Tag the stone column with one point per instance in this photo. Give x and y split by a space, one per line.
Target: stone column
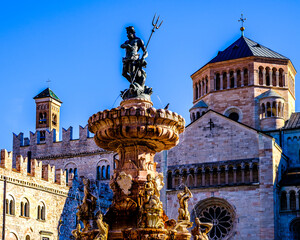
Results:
288 201
271 77
235 79
221 81
215 83
228 80
255 77
242 78
277 78
226 174
251 172
276 103
243 172
173 180
195 179
297 200
285 80
234 174
266 110
203 177
211 177
264 77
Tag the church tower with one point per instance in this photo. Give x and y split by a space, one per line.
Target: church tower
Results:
47 113
246 82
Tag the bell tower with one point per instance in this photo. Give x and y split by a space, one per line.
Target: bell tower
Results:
47 113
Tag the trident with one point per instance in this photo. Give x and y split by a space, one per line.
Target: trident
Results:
155 26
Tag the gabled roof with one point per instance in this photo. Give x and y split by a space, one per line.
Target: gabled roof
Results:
245 47
270 93
293 122
200 104
47 93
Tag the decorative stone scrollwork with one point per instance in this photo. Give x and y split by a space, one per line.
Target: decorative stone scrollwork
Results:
125 182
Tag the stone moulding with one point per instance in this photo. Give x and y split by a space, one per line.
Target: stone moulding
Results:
159 129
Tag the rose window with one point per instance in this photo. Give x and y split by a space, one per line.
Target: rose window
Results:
220 214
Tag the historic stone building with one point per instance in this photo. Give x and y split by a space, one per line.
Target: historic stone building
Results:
240 156
243 180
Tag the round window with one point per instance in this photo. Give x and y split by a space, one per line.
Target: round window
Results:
220 214
234 116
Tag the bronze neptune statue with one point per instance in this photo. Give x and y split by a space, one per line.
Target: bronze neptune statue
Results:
133 65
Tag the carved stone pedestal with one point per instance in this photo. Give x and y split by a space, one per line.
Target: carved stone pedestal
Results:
145 234
182 230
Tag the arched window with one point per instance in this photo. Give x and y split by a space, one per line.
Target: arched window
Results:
103 175
196 91
11 236
225 80
108 172
215 176
268 109
184 177
218 81
222 176
283 201
238 78
10 205
295 229
255 173
169 180
260 76
268 80
263 111
41 211
193 117
207 177
75 173
231 79
199 177
274 70
198 115
42 135
239 174
54 119
206 85
247 174
190 179
177 180
98 173
274 114
246 77
280 77
24 208
27 237
230 175
292 200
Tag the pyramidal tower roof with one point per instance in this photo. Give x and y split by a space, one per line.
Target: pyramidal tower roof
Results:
245 47
47 93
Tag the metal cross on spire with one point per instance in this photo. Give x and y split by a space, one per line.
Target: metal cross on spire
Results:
48 81
242 19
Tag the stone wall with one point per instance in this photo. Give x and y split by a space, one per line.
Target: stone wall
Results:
44 186
226 142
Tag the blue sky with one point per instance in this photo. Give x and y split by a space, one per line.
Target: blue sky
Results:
76 44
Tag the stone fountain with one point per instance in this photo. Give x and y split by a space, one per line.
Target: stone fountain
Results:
136 131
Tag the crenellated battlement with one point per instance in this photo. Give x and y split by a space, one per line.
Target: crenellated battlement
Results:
48 146
38 171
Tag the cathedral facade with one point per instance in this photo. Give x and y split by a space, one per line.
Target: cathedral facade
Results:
239 156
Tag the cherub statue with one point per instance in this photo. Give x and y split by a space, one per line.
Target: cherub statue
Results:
183 210
197 231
